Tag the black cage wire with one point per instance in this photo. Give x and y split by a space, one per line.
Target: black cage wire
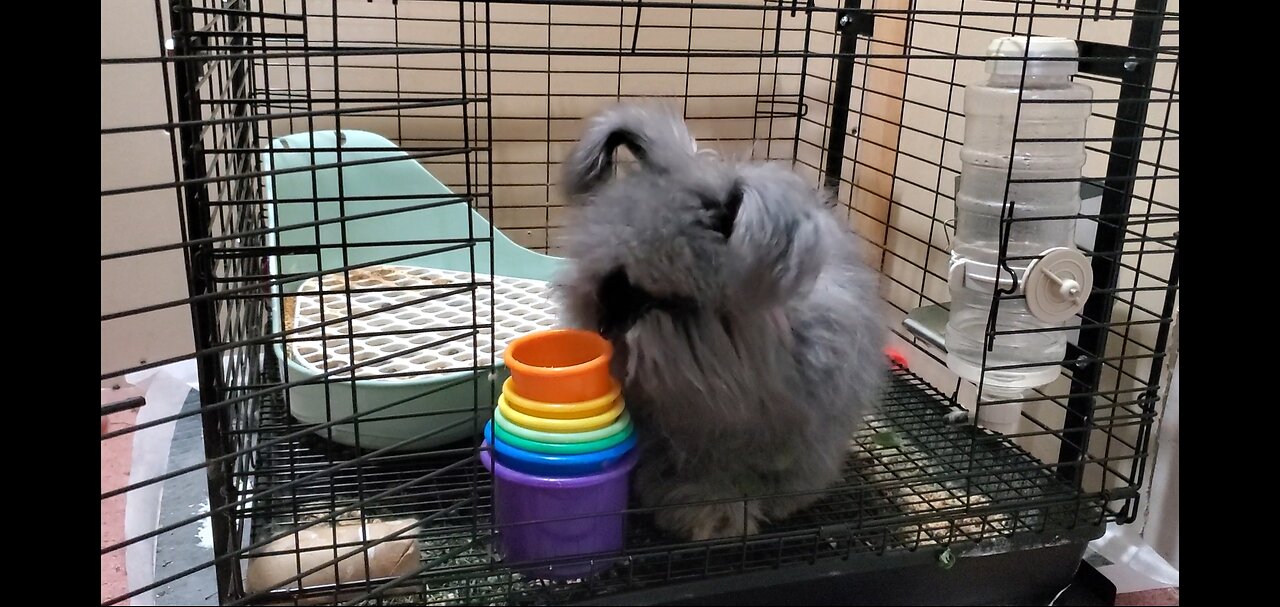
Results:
863 97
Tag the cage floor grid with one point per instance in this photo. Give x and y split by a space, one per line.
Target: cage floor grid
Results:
392 314
934 484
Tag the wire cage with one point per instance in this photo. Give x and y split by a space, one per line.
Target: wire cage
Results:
862 97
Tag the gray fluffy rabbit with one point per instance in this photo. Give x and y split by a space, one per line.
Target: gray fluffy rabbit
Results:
747 331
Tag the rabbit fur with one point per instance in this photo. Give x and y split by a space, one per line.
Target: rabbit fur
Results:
747 331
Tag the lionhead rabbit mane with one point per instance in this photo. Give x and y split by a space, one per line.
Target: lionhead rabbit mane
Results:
747 330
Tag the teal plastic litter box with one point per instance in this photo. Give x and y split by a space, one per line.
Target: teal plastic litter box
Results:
417 397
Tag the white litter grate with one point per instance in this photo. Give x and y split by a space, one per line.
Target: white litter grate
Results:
522 306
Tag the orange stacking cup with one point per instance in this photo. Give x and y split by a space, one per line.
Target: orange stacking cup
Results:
560 365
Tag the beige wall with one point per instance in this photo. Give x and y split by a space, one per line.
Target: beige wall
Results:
538 101
537 106
134 95
530 133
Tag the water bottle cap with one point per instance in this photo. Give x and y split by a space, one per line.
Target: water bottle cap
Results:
1057 56
1057 284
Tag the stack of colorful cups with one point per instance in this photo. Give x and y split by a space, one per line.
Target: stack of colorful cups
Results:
560 447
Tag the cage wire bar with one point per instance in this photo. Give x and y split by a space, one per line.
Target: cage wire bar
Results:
863 97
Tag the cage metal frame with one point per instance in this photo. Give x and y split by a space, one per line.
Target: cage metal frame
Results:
225 108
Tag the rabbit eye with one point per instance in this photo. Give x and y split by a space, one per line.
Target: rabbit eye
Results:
623 303
722 214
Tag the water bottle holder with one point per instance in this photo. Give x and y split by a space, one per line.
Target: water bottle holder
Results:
1056 285
984 278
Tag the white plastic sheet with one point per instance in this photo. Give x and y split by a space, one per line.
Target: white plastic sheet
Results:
1145 553
165 389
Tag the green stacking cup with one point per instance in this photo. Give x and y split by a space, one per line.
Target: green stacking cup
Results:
620 427
562 448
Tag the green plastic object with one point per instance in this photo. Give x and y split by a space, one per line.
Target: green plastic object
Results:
947 559
620 425
562 448
887 438
386 197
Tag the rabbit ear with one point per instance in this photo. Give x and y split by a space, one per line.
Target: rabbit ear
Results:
656 137
778 240
591 164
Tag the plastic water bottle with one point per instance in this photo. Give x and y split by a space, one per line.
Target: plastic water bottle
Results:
1041 261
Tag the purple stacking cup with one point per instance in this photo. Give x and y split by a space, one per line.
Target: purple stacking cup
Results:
589 509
